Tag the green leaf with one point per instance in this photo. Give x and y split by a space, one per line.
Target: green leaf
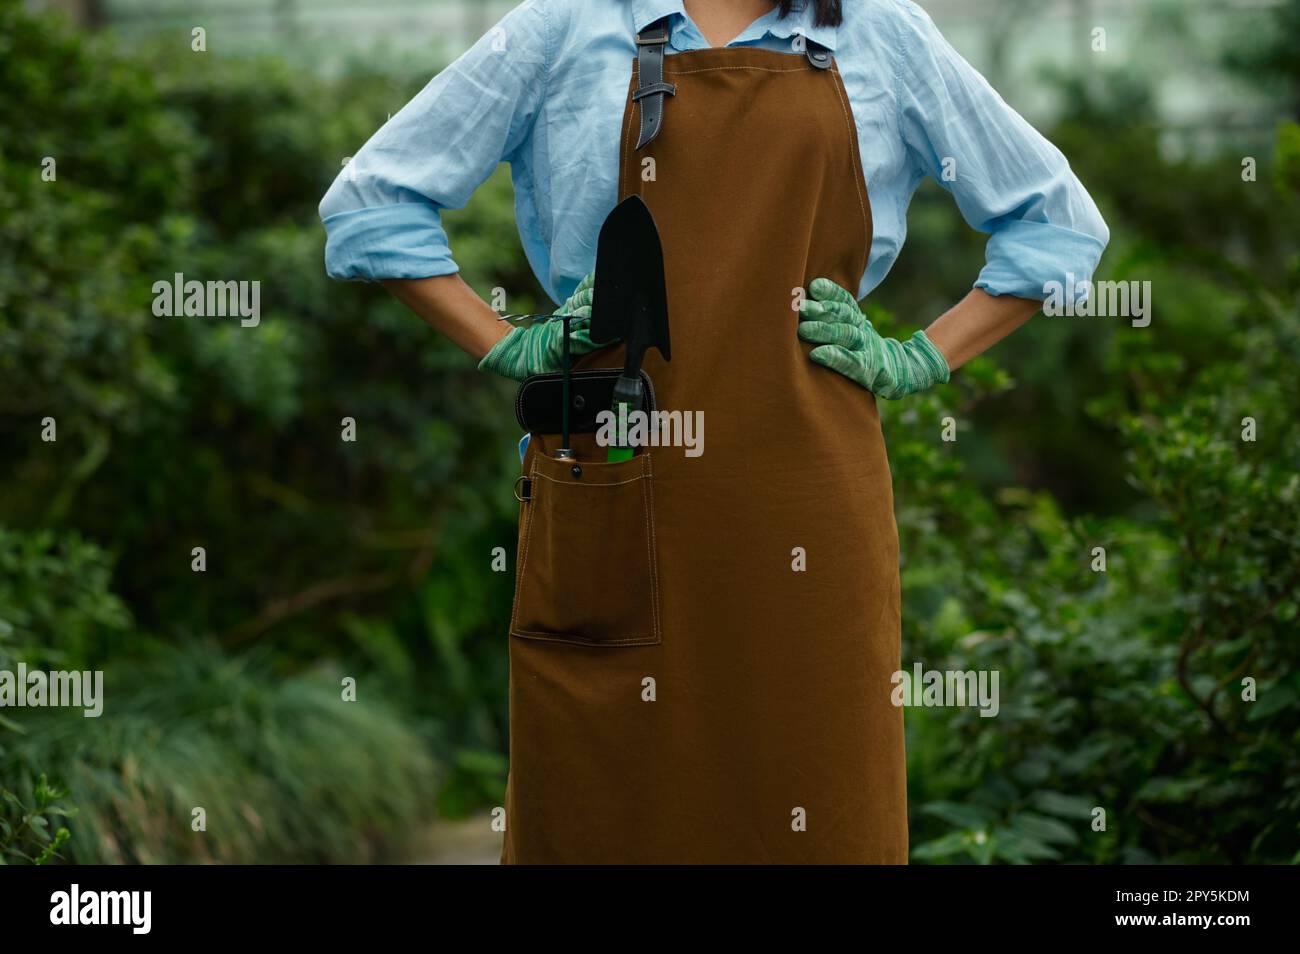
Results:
1045 829
1165 789
957 815
1065 806
945 847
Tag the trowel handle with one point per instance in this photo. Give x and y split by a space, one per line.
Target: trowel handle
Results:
564 393
629 396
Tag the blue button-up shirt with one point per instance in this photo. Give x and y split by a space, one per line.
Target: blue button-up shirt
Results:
545 90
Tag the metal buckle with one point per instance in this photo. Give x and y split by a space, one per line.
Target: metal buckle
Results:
662 38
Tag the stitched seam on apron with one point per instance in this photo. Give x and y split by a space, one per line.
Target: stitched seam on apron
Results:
592 483
523 557
651 544
625 184
655 628
761 69
584 641
858 174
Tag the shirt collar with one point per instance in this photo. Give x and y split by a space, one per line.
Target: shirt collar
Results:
800 20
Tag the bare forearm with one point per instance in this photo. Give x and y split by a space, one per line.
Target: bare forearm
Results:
977 323
450 306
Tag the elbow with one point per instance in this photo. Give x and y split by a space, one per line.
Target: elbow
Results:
346 236
1099 230
1082 213
339 197
389 241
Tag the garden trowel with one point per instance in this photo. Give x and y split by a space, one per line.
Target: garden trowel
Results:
631 303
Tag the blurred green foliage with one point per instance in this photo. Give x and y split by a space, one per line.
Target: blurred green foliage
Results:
181 433
1121 690
25 828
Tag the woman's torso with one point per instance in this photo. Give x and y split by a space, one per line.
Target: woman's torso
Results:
565 172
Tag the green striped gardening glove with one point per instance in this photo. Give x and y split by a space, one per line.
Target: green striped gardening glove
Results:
538 347
847 343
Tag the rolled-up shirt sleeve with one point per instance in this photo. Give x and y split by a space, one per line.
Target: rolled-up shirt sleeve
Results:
382 215
1007 179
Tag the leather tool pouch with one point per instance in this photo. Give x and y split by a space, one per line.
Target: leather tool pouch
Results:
537 405
586 573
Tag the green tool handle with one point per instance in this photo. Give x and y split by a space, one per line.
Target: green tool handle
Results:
564 392
629 396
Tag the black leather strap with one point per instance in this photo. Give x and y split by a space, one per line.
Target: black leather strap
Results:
818 55
650 86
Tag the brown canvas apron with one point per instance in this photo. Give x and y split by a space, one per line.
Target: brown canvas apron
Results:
701 647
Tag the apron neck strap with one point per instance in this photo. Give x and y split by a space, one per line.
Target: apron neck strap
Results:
650 86
818 55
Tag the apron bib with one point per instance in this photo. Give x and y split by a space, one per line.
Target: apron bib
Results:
701 648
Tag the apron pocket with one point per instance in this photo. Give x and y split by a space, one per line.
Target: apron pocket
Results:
587 569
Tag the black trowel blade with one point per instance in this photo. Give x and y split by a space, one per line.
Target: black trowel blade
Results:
631 300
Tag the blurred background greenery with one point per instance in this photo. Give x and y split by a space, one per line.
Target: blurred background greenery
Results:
371 559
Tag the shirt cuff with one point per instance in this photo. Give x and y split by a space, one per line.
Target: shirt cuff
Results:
1023 258
403 240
